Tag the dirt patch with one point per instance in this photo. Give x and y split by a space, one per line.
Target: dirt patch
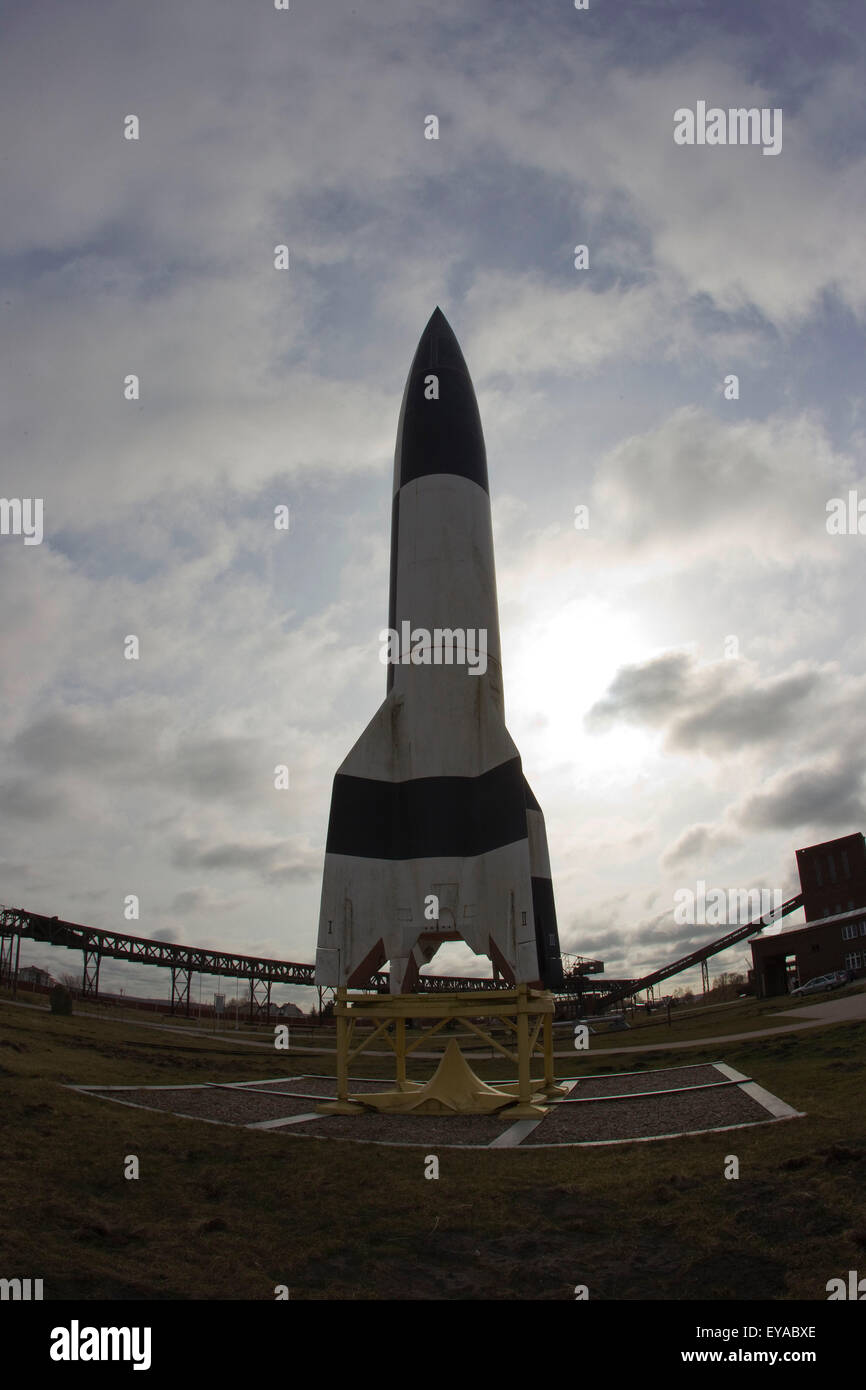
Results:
737 1274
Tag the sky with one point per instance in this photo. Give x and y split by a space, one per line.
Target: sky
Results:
684 676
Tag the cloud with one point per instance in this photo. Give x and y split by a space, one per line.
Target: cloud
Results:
274 861
745 485
697 842
133 747
643 694
707 516
717 708
817 795
25 799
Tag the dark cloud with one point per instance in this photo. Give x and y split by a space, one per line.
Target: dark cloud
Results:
188 900
133 746
75 742
593 943
758 715
820 796
273 860
644 693
25 799
699 841
714 708
230 768
194 855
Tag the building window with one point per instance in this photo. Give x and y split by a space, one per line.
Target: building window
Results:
819 877
846 867
863 927
852 961
831 865
849 932
816 946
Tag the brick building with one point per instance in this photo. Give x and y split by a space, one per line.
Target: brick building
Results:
833 883
833 876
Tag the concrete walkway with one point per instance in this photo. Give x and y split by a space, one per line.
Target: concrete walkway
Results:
833 1010
851 1008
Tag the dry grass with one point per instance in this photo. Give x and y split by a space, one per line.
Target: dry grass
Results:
222 1213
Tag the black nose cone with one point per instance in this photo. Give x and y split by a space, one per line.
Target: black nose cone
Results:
440 427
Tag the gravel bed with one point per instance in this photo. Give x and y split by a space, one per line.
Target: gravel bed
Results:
208 1103
317 1086
661 1080
423 1130
646 1115
640 1116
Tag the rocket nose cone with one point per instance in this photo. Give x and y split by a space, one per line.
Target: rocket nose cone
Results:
438 345
440 428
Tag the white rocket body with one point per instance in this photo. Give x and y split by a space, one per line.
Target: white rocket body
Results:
431 803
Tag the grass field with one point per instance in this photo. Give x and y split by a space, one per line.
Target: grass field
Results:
221 1213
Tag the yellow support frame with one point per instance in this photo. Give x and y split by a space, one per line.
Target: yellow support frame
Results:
516 1009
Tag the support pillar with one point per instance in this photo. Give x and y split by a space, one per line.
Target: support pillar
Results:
524 1104
90 973
342 1105
400 1044
9 959
260 1003
180 978
548 1052
342 1048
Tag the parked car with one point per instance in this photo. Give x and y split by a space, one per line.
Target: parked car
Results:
834 980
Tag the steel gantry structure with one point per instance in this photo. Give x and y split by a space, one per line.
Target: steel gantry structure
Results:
96 944
624 988
262 973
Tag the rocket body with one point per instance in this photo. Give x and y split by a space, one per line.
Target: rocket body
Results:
434 834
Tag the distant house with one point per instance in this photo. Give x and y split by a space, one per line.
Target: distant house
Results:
289 1011
39 979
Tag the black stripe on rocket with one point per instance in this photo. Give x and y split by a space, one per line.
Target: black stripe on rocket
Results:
543 906
428 817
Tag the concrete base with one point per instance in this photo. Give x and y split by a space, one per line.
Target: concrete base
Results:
526 1112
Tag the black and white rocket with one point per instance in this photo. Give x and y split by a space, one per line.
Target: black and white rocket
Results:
434 834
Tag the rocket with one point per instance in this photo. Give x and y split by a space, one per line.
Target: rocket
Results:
434 834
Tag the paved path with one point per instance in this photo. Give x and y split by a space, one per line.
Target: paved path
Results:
852 1007
813 1016
834 1010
